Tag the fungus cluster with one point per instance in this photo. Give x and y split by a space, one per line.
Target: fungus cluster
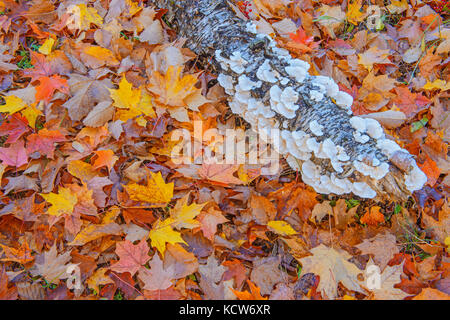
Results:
313 152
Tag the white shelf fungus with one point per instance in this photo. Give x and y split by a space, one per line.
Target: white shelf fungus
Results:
316 128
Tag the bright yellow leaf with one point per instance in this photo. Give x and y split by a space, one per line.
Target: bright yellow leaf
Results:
31 113
81 170
62 202
437 84
184 215
47 46
172 88
125 97
157 191
354 15
13 104
281 227
82 16
163 233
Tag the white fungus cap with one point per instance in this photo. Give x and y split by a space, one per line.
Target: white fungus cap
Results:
373 172
284 102
358 123
415 179
226 81
362 138
330 86
316 128
374 128
363 190
388 147
316 95
343 99
266 73
313 145
247 84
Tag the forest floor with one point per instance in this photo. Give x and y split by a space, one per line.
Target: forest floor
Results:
93 204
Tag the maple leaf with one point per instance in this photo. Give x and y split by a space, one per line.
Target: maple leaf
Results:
158 277
210 281
266 273
51 265
374 56
221 173
48 86
163 233
12 105
182 262
96 57
184 215
431 294
409 103
15 155
431 169
95 231
5 292
300 41
172 89
354 14
83 16
44 142
125 97
86 93
98 278
105 158
21 255
388 278
5 58
281 227
331 18
332 267
383 247
254 293
156 192
132 257
62 202
209 221
15 126
437 84
373 216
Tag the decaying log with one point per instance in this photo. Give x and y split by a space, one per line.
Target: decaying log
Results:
336 152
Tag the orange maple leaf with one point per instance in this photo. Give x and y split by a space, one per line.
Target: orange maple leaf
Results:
171 89
254 294
48 86
373 216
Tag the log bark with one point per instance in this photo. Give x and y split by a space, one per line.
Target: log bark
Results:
350 158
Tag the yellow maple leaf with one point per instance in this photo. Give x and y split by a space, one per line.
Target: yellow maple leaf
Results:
98 278
281 227
47 46
397 7
171 89
31 113
138 111
157 191
437 84
81 170
125 97
13 105
62 202
184 215
83 16
101 54
163 233
354 15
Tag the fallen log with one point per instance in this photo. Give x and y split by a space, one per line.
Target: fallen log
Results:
336 152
